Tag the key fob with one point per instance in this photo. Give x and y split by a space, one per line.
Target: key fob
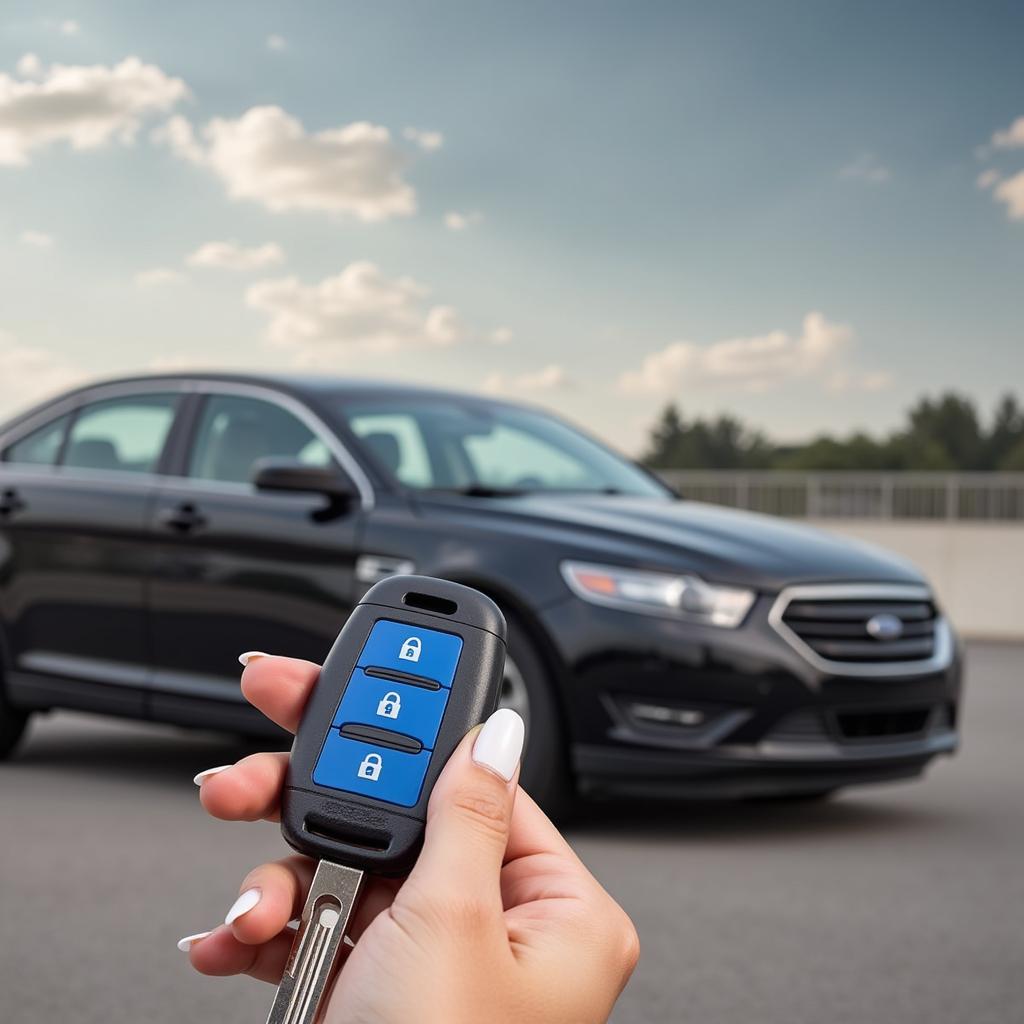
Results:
417 665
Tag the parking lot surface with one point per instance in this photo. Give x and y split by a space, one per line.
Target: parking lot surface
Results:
890 904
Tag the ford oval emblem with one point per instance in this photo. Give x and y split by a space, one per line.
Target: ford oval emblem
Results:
885 626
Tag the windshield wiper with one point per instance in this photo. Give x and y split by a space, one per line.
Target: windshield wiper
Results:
482 491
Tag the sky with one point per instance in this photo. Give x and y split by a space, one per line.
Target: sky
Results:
805 214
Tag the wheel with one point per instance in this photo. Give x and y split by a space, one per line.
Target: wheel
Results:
12 723
527 688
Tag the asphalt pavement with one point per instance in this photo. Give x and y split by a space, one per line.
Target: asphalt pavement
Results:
900 904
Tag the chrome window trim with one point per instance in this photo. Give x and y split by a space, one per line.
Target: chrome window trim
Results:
127 389
99 393
941 658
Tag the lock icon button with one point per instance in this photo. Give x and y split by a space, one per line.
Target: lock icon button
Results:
389 705
428 653
411 649
414 711
370 766
390 776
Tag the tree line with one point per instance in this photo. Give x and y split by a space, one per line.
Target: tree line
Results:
942 433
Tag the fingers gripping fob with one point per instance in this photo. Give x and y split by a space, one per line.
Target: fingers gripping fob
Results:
417 665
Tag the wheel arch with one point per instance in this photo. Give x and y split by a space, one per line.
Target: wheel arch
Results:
524 617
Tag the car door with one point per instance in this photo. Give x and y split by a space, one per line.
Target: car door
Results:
74 507
241 569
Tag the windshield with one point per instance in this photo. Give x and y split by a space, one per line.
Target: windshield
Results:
483 449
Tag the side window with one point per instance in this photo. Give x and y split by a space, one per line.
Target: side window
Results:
235 433
126 435
397 442
41 447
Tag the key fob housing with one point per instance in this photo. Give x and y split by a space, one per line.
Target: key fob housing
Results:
417 665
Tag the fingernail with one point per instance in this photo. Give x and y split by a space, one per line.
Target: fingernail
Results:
189 941
247 656
198 779
243 905
499 744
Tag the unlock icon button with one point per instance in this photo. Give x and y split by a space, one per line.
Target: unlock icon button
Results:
389 705
403 708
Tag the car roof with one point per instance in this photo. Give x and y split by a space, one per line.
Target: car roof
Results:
297 383
309 386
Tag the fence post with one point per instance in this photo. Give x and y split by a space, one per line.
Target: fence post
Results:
887 503
813 496
743 492
952 496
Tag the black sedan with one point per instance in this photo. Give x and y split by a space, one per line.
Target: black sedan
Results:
153 528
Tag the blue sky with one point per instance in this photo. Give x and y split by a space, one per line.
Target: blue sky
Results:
772 209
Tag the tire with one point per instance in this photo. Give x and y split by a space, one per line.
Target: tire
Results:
529 689
12 723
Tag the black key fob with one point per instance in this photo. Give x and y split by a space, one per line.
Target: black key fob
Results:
417 665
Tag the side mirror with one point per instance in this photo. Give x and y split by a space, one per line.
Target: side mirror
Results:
290 475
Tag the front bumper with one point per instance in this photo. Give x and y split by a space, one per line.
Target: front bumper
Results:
660 708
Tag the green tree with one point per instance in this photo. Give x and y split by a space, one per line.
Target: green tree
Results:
722 443
949 423
1006 438
942 433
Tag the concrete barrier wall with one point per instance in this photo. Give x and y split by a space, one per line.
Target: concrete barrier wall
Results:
977 569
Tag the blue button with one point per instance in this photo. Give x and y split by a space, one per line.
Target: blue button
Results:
421 652
379 772
412 710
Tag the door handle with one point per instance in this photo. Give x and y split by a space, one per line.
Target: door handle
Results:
10 503
183 518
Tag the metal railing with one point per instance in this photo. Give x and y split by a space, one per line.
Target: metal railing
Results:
844 495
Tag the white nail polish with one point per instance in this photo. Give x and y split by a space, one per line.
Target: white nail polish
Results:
198 779
243 905
189 941
499 744
247 656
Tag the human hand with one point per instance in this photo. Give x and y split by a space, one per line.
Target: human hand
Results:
498 922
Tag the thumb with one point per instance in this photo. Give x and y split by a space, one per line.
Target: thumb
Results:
470 814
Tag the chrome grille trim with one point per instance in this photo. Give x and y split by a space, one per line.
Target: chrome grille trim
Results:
939 660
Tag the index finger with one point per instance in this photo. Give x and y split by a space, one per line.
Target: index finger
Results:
279 687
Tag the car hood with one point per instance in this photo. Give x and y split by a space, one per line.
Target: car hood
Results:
721 543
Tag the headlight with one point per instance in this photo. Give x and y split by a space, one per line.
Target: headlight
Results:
659 593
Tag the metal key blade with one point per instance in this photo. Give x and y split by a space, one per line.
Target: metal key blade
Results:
329 905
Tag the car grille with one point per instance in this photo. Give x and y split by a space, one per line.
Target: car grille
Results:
838 630
857 628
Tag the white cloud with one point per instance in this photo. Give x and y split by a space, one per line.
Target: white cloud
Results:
37 239
267 156
549 378
233 256
277 43
755 363
456 221
1010 138
866 168
29 66
177 134
1011 192
501 336
84 106
28 373
158 277
987 178
69 27
425 139
359 309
